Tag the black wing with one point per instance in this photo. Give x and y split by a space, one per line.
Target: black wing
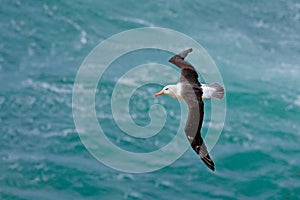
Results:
193 129
192 94
188 72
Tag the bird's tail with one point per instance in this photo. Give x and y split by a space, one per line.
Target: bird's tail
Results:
218 91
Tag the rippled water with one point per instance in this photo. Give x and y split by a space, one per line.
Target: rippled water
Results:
255 44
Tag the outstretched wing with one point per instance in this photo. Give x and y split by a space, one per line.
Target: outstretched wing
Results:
192 94
188 72
193 130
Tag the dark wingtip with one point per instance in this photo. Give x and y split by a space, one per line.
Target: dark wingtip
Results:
210 166
184 53
208 162
181 55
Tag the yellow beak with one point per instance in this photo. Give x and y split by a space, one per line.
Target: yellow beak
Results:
159 93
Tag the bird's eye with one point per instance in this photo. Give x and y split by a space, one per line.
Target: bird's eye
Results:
166 88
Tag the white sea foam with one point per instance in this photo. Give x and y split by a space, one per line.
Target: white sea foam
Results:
63 133
125 177
297 101
83 33
128 81
47 86
133 195
261 24
137 21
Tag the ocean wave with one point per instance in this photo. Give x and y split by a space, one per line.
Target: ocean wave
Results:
48 86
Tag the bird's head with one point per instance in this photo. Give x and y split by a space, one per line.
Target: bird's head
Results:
168 90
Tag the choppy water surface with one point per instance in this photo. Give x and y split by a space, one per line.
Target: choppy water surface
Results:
256 46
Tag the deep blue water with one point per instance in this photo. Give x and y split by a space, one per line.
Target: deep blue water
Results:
256 46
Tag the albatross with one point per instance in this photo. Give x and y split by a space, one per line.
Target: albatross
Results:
193 93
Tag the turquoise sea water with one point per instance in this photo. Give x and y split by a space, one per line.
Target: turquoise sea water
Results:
256 46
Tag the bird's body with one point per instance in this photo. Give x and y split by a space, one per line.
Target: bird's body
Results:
209 91
193 92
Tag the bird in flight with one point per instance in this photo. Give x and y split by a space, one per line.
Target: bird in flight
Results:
193 93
